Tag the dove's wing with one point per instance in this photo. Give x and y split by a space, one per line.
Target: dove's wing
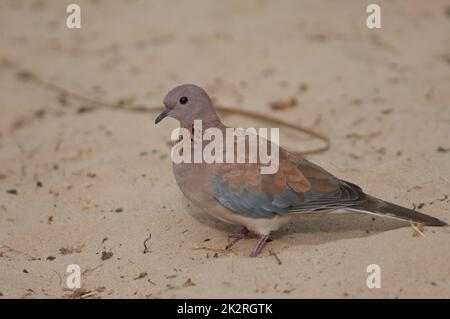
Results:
298 186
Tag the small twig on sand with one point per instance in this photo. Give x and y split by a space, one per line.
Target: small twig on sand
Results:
10 249
79 293
418 229
439 199
209 249
277 259
88 270
89 294
147 248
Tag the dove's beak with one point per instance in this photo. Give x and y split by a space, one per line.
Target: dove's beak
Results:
162 115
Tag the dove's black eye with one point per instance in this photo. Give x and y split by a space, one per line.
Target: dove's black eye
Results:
183 100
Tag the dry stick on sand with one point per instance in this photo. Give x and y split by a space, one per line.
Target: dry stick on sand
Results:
277 259
147 249
30 76
418 228
217 250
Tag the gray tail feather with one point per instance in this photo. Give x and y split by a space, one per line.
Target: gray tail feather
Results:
381 207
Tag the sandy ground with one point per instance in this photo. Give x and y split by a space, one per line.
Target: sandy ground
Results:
88 186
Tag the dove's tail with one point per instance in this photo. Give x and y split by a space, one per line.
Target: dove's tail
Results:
382 208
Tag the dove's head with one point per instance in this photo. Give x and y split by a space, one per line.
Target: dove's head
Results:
187 103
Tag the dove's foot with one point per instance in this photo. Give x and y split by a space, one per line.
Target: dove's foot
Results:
235 237
259 245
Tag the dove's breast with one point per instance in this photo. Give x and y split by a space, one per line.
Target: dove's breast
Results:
192 180
195 181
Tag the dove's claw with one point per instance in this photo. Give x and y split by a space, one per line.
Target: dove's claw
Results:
237 237
259 245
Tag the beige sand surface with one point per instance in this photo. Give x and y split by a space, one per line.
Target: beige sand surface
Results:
382 96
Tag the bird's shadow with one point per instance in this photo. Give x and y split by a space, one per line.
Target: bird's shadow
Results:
314 229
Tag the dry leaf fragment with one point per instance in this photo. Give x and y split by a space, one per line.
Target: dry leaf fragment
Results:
141 275
283 105
188 283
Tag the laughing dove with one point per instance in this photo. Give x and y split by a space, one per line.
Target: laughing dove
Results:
239 194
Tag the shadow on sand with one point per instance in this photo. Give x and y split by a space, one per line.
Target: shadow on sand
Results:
313 229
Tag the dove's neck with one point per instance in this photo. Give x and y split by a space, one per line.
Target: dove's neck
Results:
208 118
203 125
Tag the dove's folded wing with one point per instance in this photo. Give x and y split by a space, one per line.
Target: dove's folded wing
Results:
298 186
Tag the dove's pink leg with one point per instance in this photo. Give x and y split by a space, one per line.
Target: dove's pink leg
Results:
237 237
259 245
